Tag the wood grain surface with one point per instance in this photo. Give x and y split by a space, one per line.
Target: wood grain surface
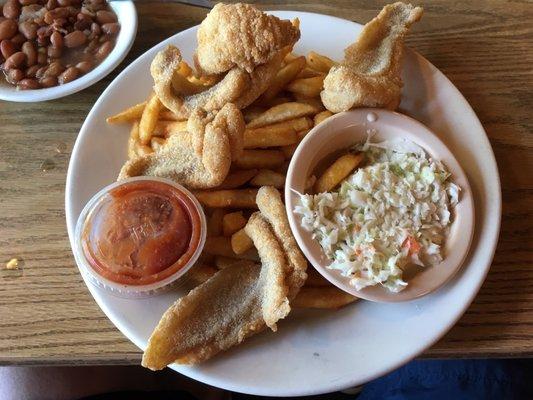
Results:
46 313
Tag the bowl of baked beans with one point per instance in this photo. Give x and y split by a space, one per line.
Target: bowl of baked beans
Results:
53 48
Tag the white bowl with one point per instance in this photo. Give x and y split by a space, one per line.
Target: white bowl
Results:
343 131
127 17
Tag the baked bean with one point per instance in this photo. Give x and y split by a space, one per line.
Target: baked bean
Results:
14 75
16 60
28 29
11 9
54 52
57 40
104 50
7 48
48 81
41 72
83 22
63 3
92 46
18 39
31 54
51 4
54 69
28 84
68 75
95 31
111 28
60 12
74 39
41 57
104 17
32 71
28 2
8 29
84 66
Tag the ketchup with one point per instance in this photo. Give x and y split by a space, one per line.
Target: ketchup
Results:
141 232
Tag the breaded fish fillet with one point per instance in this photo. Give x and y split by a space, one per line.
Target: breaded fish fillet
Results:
163 69
273 210
200 159
369 75
240 35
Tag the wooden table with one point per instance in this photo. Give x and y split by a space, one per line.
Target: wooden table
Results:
46 313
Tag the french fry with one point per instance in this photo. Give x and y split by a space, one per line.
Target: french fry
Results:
283 77
310 182
128 115
241 242
185 69
251 159
167 115
321 116
149 119
156 143
222 262
322 297
221 246
310 87
181 84
320 63
252 112
142 149
169 128
280 134
133 140
282 112
232 222
314 279
283 167
214 222
277 100
337 171
236 198
290 58
237 178
199 273
313 101
266 177
308 73
289 150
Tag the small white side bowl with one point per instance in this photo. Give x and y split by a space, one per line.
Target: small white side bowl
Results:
127 17
343 131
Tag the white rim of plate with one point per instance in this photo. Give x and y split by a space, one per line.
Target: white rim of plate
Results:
127 16
346 382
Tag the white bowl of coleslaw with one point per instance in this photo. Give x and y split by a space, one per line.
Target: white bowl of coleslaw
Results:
395 228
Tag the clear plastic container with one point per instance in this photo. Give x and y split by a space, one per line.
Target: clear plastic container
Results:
131 237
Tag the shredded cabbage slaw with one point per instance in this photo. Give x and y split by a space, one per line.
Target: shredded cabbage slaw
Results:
395 210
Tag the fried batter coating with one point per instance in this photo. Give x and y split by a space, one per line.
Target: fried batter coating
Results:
240 35
235 303
163 69
369 75
200 159
273 210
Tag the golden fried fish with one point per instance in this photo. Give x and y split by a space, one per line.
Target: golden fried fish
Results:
198 159
240 35
369 75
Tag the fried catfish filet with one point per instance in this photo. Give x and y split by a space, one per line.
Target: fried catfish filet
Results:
238 301
369 75
199 158
240 35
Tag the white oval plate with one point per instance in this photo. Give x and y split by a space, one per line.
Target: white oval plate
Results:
127 16
313 351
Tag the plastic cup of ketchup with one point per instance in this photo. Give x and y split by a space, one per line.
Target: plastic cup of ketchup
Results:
138 236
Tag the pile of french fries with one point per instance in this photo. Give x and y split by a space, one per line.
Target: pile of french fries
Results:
276 123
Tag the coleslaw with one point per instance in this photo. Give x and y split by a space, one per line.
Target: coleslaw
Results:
395 210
